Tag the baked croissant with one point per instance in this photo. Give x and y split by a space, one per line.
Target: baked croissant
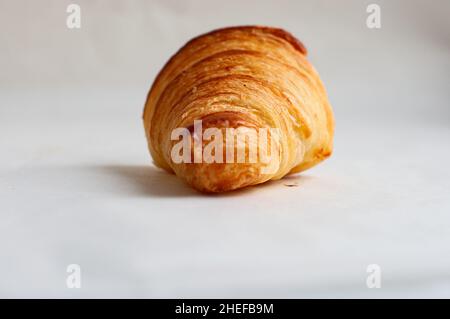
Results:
239 79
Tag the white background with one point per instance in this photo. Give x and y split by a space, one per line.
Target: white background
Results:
77 185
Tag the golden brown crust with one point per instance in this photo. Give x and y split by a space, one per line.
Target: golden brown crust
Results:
275 31
252 77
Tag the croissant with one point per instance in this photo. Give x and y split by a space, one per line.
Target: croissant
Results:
244 80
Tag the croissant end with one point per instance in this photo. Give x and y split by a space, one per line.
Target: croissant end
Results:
238 107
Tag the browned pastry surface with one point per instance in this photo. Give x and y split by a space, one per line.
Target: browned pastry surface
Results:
241 77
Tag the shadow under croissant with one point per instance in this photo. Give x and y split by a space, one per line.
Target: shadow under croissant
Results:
148 180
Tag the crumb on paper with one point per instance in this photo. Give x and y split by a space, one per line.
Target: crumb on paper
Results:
291 185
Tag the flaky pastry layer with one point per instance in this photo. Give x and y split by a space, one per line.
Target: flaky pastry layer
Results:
252 77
